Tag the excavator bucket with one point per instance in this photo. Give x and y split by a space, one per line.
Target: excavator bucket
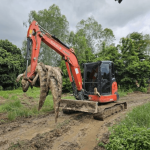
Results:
99 111
79 105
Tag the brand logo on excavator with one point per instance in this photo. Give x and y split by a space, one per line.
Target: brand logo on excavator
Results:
54 44
66 52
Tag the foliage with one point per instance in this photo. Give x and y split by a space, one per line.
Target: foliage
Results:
82 50
133 132
141 43
139 116
66 81
128 138
95 34
83 54
11 64
135 65
1 88
123 93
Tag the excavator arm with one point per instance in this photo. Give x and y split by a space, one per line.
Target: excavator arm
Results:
35 35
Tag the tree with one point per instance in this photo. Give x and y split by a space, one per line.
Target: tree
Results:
95 34
142 42
56 24
82 49
147 39
11 64
134 67
66 81
83 54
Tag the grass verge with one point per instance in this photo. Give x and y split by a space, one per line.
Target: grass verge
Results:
133 132
123 93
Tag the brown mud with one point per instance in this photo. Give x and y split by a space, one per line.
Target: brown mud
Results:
77 131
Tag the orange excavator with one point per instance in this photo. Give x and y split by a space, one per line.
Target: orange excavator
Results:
96 93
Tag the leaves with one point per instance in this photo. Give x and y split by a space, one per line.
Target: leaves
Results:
11 64
94 34
136 64
124 138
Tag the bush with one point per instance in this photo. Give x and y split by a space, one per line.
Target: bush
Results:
11 64
142 89
133 132
123 138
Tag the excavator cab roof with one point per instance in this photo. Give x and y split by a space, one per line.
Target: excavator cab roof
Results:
98 62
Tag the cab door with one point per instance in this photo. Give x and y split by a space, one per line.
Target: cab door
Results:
105 71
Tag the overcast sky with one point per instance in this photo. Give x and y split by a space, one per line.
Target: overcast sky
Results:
127 17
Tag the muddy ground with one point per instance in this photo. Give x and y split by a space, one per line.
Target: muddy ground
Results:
78 131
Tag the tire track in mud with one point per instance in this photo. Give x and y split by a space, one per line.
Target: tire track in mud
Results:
78 131
25 129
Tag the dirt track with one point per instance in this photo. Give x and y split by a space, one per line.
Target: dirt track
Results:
77 131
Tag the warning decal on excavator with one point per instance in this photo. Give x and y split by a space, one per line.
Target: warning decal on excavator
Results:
30 32
76 70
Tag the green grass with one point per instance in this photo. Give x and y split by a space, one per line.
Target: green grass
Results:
139 116
14 105
48 104
23 112
4 94
16 109
35 92
7 94
10 106
123 93
133 132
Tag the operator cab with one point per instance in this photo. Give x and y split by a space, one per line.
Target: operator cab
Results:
98 75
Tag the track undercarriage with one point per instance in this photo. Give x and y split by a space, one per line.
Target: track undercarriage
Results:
99 111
